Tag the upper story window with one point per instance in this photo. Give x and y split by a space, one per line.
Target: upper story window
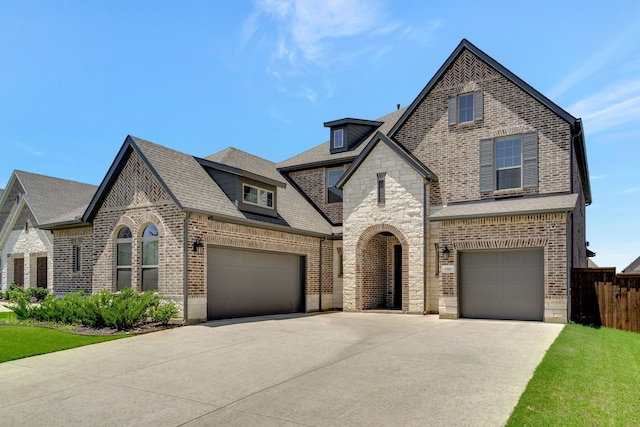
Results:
338 138
509 163
334 194
123 258
257 196
150 257
381 196
466 108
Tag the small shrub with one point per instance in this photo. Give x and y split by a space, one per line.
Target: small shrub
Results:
164 312
38 293
129 308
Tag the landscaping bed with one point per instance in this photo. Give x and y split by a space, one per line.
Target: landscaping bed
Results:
100 314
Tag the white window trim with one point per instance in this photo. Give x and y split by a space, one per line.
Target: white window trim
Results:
259 192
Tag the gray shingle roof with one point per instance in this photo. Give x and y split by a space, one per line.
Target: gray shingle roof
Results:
321 153
292 206
184 178
524 206
52 199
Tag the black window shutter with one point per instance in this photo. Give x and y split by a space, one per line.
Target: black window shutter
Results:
453 109
478 105
530 159
486 165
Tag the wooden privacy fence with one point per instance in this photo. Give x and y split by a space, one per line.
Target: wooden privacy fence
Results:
601 297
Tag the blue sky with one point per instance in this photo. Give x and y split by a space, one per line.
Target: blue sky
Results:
76 77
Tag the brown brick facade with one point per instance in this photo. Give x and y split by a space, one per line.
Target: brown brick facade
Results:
65 278
313 182
452 152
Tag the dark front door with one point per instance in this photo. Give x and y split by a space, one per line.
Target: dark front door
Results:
397 277
18 271
41 272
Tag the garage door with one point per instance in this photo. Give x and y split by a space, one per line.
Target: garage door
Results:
250 283
502 284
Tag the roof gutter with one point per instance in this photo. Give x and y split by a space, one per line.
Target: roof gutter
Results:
252 223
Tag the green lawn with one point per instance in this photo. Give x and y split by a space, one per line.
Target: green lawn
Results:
588 377
17 341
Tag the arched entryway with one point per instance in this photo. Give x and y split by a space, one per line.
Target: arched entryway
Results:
381 269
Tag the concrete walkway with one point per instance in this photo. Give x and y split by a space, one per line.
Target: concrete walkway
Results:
332 369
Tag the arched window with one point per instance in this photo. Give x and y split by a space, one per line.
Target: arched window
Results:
123 258
150 258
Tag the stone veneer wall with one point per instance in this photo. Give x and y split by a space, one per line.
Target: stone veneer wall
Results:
546 231
364 218
28 245
218 233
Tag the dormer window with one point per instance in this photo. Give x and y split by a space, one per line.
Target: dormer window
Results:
257 196
338 138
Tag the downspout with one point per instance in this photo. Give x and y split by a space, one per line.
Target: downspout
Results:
320 276
185 269
425 228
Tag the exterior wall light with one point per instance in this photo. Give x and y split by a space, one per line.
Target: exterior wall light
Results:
446 252
198 246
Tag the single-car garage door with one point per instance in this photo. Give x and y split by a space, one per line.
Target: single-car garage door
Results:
502 284
252 283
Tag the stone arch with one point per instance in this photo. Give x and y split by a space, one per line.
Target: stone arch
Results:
368 271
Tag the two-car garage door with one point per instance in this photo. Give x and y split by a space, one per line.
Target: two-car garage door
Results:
502 284
253 283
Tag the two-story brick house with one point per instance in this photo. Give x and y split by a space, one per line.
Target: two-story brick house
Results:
469 202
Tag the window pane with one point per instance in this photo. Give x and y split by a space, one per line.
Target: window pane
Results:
508 178
124 278
150 253
508 152
250 194
149 279
333 176
124 233
150 231
266 198
334 195
338 138
381 191
465 108
124 254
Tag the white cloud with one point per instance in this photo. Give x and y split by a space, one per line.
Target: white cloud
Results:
30 150
630 190
618 45
613 106
319 33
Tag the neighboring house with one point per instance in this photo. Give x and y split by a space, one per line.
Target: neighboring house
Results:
633 268
29 201
470 202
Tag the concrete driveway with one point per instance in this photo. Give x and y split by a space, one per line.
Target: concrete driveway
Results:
331 369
